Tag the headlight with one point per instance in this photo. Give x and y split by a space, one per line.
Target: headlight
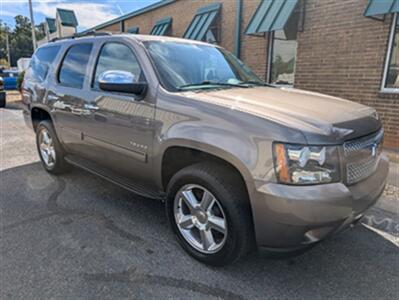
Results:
301 164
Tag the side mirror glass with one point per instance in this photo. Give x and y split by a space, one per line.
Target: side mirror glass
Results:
121 81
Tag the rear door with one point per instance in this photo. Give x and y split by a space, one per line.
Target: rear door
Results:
67 99
118 127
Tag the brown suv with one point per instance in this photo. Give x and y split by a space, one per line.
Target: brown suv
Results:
239 162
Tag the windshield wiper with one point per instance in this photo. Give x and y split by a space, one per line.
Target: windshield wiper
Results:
208 84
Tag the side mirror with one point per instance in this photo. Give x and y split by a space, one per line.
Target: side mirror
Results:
121 81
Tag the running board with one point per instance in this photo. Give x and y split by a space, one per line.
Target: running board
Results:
111 176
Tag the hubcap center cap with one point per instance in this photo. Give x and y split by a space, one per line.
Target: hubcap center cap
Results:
201 217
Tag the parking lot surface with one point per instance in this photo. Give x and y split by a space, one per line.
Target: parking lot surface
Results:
78 236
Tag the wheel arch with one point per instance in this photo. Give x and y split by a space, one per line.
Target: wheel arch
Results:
186 152
38 114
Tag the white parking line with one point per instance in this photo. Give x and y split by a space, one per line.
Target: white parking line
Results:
389 237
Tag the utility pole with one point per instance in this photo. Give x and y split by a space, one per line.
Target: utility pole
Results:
32 22
8 47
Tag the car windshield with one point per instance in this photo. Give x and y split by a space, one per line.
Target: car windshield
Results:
186 66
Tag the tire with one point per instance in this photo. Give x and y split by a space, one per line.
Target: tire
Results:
231 204
56 165
2 99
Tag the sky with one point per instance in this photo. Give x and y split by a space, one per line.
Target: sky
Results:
88 12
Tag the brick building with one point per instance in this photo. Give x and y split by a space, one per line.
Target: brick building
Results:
345 48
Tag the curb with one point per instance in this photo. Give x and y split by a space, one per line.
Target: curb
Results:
392 155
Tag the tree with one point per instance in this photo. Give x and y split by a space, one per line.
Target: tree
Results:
3 63
20 80
3 47
21 40
40 31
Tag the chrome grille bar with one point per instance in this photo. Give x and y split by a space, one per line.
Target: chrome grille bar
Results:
362 156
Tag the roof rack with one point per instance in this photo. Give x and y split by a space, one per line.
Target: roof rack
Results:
93 33
78 35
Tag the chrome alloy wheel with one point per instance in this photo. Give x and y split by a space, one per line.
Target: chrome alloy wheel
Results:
200 218
46 146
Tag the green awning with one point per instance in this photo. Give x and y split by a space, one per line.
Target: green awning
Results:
67 17
51 25
201 22
381 7
271 15
134 30
162 26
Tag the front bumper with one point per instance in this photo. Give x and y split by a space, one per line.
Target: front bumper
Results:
290 217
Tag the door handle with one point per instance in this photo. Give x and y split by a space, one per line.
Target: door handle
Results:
51 97
91 107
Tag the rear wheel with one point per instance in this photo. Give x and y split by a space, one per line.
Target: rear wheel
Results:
49 148
209 212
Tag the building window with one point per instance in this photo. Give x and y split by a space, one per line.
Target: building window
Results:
133 30
390 82
282 52
162 27
212 36
205 26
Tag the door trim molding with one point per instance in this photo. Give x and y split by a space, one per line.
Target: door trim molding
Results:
138 155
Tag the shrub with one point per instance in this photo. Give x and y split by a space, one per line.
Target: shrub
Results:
20 79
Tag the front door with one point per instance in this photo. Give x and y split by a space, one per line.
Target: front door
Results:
118 127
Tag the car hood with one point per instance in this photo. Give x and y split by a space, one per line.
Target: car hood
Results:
321 118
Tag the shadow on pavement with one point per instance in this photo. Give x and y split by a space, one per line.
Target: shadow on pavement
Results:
17 105
81 236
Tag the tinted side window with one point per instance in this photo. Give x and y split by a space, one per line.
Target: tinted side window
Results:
115 56
40 63
74 65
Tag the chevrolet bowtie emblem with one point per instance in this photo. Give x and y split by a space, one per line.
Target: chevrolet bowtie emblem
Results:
374 149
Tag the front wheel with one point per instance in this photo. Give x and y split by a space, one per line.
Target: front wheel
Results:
209 212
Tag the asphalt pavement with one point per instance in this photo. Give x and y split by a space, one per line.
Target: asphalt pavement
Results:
77 236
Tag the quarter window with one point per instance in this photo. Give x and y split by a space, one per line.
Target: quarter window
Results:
391 74
117 57
74 66
283 52
40 63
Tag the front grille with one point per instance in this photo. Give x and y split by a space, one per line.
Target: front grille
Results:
362 156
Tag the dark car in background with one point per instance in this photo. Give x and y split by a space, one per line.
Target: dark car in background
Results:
10 79
2 93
